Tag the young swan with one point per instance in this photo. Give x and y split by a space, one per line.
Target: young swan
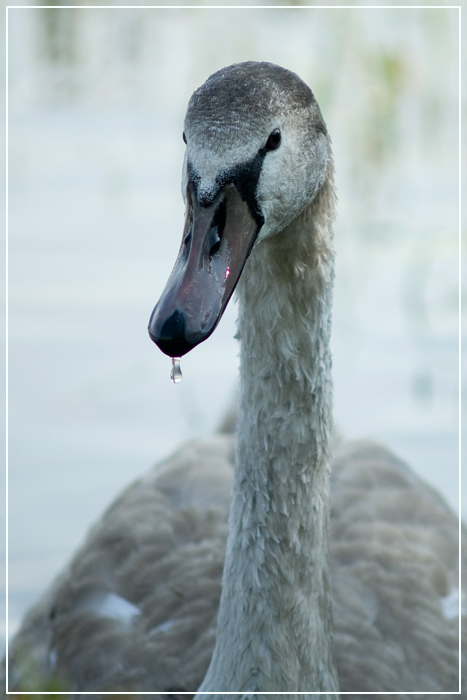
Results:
258 179
138 608
258 184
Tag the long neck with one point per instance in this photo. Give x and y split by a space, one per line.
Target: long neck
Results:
274 624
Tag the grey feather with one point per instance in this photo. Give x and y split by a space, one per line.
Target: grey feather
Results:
394 557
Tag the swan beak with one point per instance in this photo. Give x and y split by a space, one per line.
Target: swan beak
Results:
217 240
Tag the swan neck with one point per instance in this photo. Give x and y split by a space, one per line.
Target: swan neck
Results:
274 625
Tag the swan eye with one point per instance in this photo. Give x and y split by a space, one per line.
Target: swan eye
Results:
273 141
184 137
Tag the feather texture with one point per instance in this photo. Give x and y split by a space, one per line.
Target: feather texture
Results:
161 547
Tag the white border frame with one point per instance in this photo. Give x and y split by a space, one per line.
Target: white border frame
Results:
231 7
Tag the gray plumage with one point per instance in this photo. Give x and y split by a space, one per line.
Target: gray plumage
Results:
164 595
162 544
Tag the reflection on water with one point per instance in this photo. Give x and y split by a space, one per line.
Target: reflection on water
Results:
96 101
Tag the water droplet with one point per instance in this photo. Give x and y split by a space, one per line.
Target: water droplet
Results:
176 371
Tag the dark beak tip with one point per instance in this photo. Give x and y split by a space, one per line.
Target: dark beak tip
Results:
169 334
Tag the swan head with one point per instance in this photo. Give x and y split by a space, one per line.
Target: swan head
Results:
257 153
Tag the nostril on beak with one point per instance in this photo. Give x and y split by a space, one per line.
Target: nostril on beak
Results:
214 241
217 229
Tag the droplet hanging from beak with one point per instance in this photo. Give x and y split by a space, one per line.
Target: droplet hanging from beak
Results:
176 372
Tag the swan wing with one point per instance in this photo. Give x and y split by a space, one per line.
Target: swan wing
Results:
136 608
395 575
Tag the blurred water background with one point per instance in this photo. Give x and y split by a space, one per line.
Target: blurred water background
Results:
96 105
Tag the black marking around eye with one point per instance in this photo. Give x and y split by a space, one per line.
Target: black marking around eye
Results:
244 176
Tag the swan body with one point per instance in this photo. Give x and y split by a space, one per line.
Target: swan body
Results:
295 590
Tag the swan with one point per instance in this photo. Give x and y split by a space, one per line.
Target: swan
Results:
296 590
